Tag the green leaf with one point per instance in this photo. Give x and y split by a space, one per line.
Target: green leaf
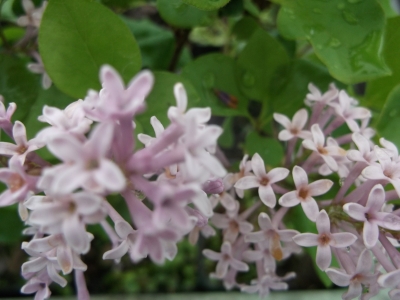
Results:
346 35
245 28
77 37
233 8
17 84
388 8
207 4
214 73
290 98
379 89
180 14
227 138
269 149
389 119
263 63
11 225
162 97
156 43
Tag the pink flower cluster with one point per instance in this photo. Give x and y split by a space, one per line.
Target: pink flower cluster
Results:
357 226
94 140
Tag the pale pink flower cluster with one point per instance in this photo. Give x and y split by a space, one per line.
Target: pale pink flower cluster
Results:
94 141
355 224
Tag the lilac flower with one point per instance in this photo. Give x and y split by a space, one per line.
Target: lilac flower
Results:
316 97
225 260
244 170
38 68
5 115
158 129
270 234
213 186
68 215
390 279
372 216
114 101
23 146
33 15
348 112
361 276
293 128
364 153
178 113
262 253
38 286
324 240
262 180
387 169
266 283
232 223
325 152
84 165
304 193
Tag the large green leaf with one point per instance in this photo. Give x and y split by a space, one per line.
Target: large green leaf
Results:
11 225
214 73
77 37
180 14
379 89
290 98
207 4
156 44
389 119
17 84
162 97
270 150
263 63
346 35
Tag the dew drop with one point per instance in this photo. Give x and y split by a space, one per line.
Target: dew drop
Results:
317 11
349 17
334 43
208 80
341 5
342 180
248 79
139 194
348 249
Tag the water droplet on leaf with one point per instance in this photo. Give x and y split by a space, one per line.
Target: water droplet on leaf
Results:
349 17
248 79
334 43
341 6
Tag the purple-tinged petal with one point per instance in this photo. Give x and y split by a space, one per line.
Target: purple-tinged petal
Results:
247 182
306 239
201 115
282 119
64 259
285 135
300 177
318 135
245 227
123 229
310 208
356 211
373 172
338 278
67 148
370 234
342 239
390 279
324 257
54 276
110 176
226 248
320 187
222 268
67 181
355 290
364 263
211 254
331 162
140 86
250 255
19 133
376 198
300 119
289 199
111 80
87 203
34 265
267 195
287 235
238 265
100 140
277 174
355 155
117 252
257 164
75 234
8 148
361 142
264 221
323 222
309 144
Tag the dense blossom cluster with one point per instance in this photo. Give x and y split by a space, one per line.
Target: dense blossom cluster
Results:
174 183
356 225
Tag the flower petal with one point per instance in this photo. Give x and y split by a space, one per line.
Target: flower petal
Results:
342 239
247 182
338 278
323 222
306 239
258 166
267 195
324 257
320 187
